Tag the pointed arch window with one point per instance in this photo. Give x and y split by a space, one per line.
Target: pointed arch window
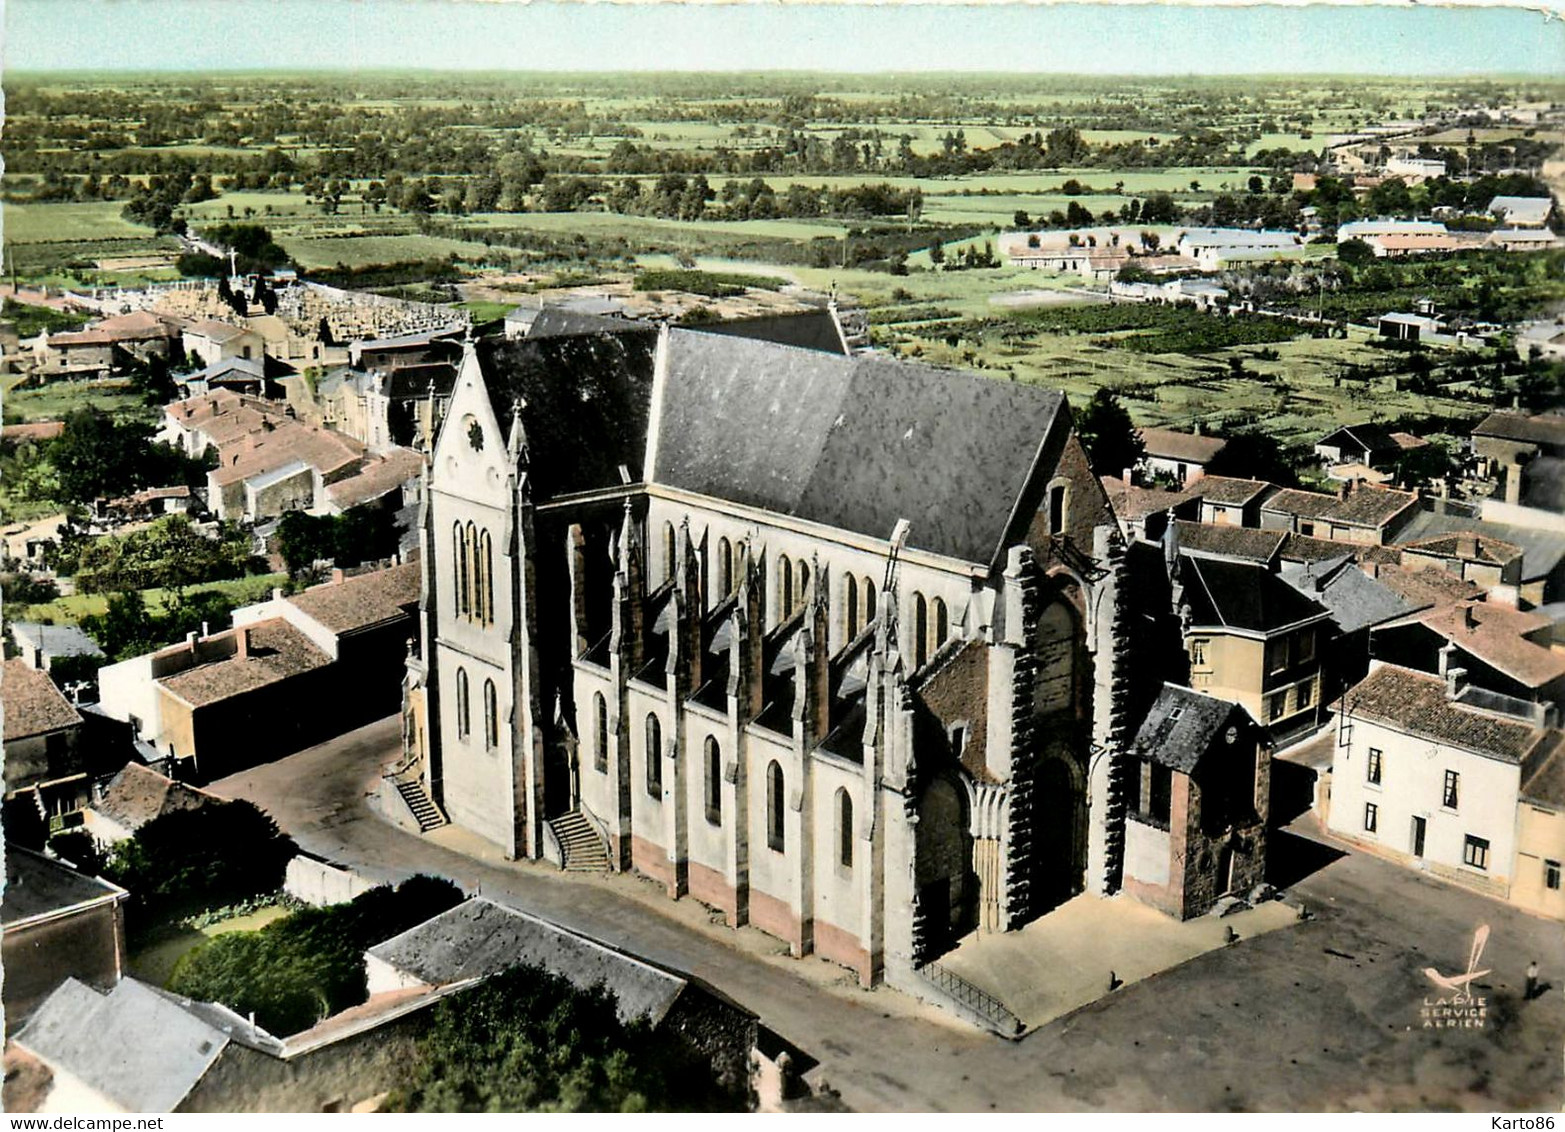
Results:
459 556
942 626
869 601
920 631
784 587
670 552
803 578
491 716
844 828
774 806
850 609
463 723
600 751
712 757
654 757
487 614
725 569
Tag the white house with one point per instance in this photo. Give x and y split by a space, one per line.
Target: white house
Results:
1427 771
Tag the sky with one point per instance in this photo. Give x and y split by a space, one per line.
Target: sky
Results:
1118 38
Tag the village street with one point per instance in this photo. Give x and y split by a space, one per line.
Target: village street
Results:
1322 1015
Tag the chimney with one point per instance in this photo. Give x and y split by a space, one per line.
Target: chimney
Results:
1344 489
337 575
242 642
1455 682
190 640
1469 617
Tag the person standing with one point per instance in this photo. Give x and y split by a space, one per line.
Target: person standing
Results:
1532 980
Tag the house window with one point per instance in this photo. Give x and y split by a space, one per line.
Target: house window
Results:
1306 694
462 724
1551 875
1198 652
654 758
774 806
1307 529
1372 772
1475 852
600 751
713 758
491 717
958 739
802 571
844 828
850 609
1371 817
1276 705
1306 646
1057 509
1276 656
1448 796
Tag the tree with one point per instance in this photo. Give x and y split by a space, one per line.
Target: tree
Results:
1021 219
95 455
1355 251
1419 467
1254 454
192 860
308 965
1112 440
526 1040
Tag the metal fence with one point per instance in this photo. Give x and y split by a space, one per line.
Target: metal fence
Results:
976 999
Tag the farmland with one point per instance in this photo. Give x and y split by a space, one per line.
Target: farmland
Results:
876 186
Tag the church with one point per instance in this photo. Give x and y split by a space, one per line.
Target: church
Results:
824 641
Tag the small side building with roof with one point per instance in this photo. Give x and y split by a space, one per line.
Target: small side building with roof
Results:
1181 456
1197 802
59 923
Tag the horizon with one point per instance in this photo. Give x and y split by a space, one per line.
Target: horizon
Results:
548 37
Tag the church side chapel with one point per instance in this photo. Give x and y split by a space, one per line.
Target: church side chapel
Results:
832 644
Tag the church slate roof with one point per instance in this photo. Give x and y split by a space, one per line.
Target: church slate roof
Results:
852 443
808 330
587 398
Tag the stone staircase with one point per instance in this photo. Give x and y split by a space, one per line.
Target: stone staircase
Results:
423 809
582 850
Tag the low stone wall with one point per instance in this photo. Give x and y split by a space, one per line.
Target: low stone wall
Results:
319 883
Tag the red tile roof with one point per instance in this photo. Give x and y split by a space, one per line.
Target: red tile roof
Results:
33 705
276 652
1416 702
362 600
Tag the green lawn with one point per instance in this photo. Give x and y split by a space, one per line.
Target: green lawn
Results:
51 402
361 251
155 963
70 610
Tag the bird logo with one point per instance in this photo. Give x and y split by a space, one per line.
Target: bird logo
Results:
1461 985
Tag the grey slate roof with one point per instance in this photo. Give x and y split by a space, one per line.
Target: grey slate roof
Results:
554 322
586 399
479 938
1182 726
1241 595
853 443
1354 599
808 330
36 885
54 640
138 1046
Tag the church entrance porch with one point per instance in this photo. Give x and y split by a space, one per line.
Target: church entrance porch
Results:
1064 960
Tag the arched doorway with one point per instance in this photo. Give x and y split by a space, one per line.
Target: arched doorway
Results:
947 887
1060 834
